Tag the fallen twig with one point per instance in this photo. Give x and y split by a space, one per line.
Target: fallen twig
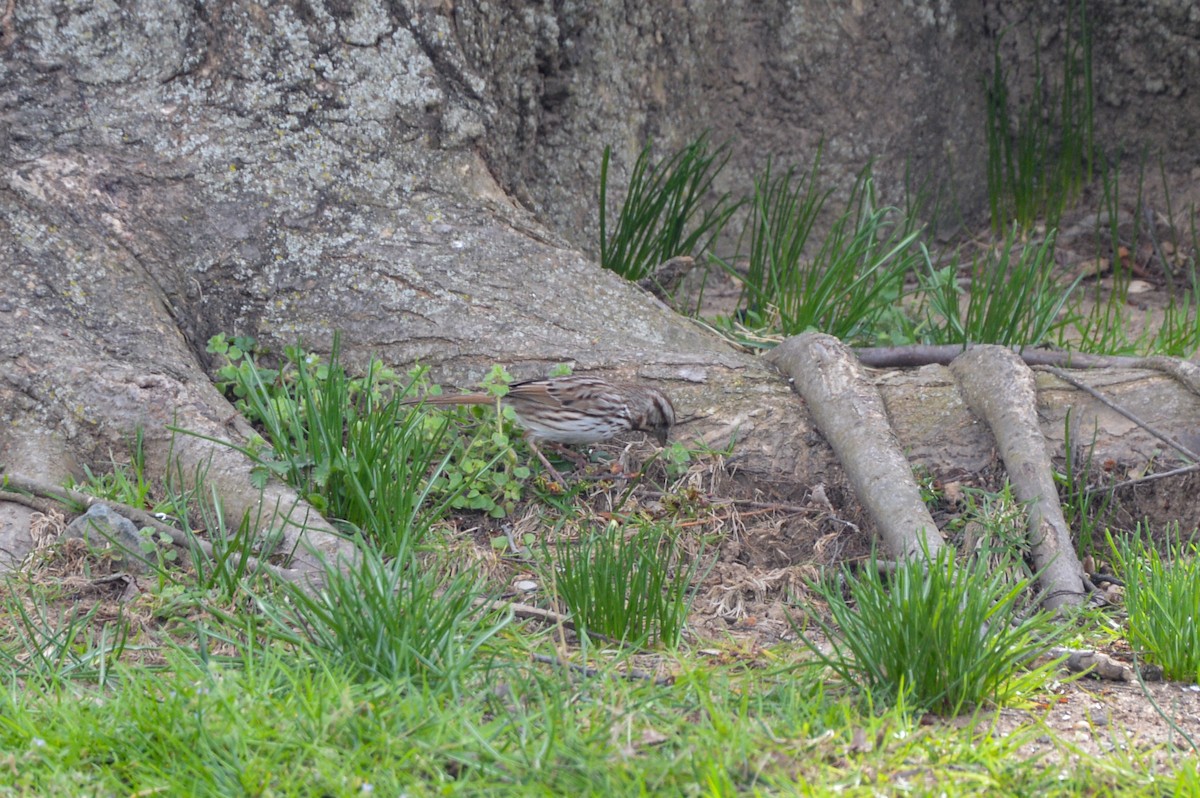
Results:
531 612
633 674
943 354
1175 472
1104 400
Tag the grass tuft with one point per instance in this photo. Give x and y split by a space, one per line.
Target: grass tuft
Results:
394 620
1013 298
664 213
845 285
628 586
1085 508
1039 165
1162 597
48 644
934 635
349 446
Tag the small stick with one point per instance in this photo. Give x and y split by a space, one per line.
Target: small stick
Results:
530 612
553 471
1167 270
633 674
1175 472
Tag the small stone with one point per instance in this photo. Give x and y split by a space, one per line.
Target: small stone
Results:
102 526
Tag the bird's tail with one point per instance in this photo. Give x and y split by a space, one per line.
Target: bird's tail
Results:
454 399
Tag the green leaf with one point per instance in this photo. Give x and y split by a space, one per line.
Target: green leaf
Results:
217 345
260 475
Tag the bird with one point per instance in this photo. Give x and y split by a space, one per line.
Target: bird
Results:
576 409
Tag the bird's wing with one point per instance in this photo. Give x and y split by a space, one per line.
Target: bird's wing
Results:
537 391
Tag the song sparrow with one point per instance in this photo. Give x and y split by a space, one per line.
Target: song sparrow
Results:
577 409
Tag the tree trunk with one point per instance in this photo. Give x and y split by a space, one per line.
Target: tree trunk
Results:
174 170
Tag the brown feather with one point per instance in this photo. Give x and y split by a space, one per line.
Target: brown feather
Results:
577 409
535 392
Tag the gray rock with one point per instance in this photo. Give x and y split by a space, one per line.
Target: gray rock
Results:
103 527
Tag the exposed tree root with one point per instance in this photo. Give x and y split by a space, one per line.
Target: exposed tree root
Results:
999 388
1185 372
850 413
42 496
943 354
91 407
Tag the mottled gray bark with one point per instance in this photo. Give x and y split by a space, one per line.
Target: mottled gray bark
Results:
897 83
173 171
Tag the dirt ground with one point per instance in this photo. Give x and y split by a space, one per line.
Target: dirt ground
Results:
746 605
765 552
